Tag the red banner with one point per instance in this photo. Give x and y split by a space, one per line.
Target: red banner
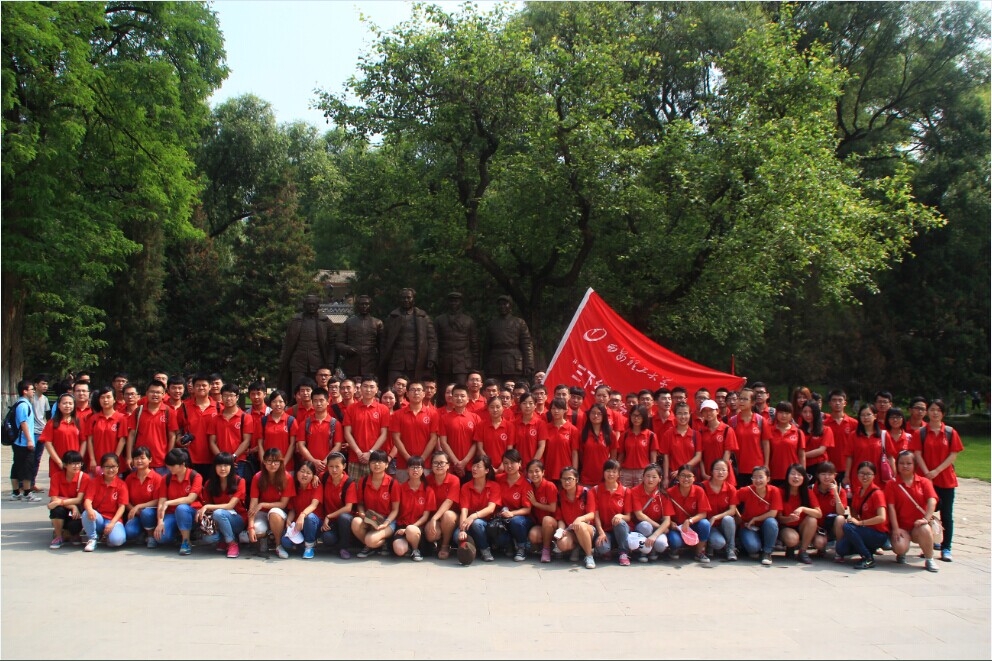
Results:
600 347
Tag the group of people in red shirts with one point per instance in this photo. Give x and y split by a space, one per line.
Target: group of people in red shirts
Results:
501 467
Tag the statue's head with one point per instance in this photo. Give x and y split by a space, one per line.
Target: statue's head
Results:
407 297
363 304
504 305
454 302
311 304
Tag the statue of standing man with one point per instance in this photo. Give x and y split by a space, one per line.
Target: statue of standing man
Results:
360 340
511 351
457 343
410 347
308 345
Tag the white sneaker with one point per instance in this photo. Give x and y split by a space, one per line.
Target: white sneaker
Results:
90 546
281 552
31 498
590 563
15 496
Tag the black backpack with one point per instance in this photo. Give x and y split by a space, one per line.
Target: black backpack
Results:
11 431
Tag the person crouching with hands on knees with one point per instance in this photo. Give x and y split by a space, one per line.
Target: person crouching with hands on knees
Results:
306 509
866 528
911 503
800 512
340 497
378 506
105 502
270 493
612 515
224 498
576 512
760 503
653 512
66 498
179 500
690 504
416 506
479 499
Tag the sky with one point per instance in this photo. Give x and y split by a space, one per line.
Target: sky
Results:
282 51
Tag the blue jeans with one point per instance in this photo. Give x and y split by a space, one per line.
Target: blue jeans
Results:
477 531
724 533
702 528
94 529
228 524
311 525
181 519
616 537
146 520
761 540
517 529
863 539
341 534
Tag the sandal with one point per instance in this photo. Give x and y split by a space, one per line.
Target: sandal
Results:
444 553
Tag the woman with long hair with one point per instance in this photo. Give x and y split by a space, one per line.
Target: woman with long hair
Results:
635 449
819 437
306 509
378 506
479 500
723 509
105 429
224 502
800 512
62 433
594 445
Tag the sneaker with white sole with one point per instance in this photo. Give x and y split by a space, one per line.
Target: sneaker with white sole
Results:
416 556
184 548
31 498
365 552
308 552
590 562
56 543
90 546
731 555
520 555
487 555
766 559
15 496
282 553
930 565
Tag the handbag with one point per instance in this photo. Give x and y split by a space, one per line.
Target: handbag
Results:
884 467
207 525
936 527
374 519
690 537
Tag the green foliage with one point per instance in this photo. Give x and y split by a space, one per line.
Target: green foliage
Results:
100 105
546 150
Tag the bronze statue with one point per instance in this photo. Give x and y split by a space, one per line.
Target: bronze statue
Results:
308 345
510 354
361 339
457 342
410 347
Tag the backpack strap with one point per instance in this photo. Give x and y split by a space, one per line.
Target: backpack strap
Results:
344 489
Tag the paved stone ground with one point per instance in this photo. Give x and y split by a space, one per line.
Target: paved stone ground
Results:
156 604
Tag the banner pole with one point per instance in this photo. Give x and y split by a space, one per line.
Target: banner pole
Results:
568 331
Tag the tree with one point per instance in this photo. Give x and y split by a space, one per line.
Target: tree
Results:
569 152
100 105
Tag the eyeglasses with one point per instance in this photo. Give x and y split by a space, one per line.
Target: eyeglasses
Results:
568 479
439 463
865 474
112 467
415 468
919 408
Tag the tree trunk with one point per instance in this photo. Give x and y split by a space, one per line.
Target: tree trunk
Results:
11 347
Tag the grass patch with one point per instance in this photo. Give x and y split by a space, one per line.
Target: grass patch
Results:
976 460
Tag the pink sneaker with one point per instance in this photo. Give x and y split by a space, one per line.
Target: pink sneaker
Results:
624 560
545 555
232 550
